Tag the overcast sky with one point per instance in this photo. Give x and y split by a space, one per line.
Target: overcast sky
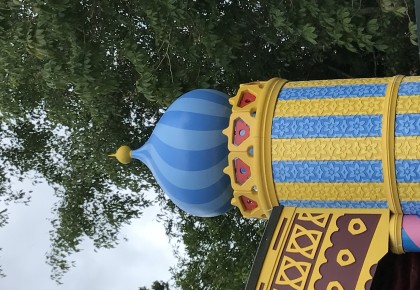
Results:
146 256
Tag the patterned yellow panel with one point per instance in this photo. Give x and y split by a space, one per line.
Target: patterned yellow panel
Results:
325 248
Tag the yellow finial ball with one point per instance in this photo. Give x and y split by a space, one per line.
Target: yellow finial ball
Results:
123 154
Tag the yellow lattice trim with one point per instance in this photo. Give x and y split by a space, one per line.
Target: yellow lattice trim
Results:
316 275
297 283
337 82
273 255
313 236
318 219
330 191
388 141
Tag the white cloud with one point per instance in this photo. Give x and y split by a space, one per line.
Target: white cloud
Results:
146 256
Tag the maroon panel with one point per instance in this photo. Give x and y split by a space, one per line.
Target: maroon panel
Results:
358 245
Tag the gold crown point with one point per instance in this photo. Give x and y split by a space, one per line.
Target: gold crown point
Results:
226 170
234 202
226 132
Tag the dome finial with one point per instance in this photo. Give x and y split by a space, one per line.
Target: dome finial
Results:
123 154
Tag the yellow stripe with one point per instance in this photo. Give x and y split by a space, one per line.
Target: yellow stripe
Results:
343 107
339 82
342 148
344 191
327 149
330 191
407 147
329 107
409 191
411 79
408 104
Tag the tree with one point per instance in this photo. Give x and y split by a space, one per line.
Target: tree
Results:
81 77
157 285
220 250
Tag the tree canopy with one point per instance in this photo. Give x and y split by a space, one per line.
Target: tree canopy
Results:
79 78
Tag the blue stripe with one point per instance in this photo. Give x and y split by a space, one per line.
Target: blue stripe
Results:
411 207
191 180
203 140
409 88
327 126
342 126
407 125
213 208
328 171
223 209
184 186
193 121
209 95
338 91
334 203
408 245
190 160
342 171
408 170
205 107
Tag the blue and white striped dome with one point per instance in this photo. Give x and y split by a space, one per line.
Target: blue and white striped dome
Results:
187 153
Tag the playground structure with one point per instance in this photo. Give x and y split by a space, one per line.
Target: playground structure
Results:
334 165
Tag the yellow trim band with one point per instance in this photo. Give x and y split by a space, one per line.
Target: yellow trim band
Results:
263 145
258 115
337 82
395 234
388 144
412 79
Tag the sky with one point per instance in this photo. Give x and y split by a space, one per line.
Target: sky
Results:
144 258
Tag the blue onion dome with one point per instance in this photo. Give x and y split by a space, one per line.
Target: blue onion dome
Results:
187 153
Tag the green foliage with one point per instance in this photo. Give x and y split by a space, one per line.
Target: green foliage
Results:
79 78
157 285
220 250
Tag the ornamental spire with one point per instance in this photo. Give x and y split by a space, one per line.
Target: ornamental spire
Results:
123 154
